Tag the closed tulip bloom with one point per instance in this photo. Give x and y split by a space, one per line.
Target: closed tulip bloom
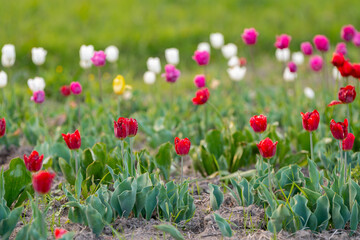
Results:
356 39
338 59
282 41
234 61
59 233
309 93
182 146
38 97
133 127
75 88
42 181
85 64
249 36
339 130
199 81
8 55
356 70
203 46
258 123
236 73
172 56
341 48
346 69
171 73
72 140
121 128
216 40
347 94
292 67
201 57
229 50
112 53
202 96
119 85
38 55
153 64
321 43
316 63
33 163
2 127
298 58
36 84
288 75
310 120
348 142
149 77
306 48
99 58
86 53
267 148
282 55
3 79
65 90
348 32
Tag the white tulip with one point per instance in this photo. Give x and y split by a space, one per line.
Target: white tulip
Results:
229 50
3 79
309 93
217 40
298 58
36 84
233 61
8 55
236 73
204 46
85 64
112 54
153 64
149 77
336 74
282 55
289 76
38 55
86 52
172 56
127 95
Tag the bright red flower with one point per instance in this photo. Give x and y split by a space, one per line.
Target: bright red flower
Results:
33 163
339 129
2 127
338 59
356 70
346 69
258 123
242 61
267 148
73 140
59 232
133 127
182 146
121 128
202 97
310 120
348 142
65 90
347 94
42 181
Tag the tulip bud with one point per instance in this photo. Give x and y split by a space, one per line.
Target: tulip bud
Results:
321 43
306 48
8 55
267 148
316 63
338 59
38 56
112 53
341 48
99 58
201 97
133 127
171 73
346 69
347 94
282 41
339 130
182 146
121 128
75 88
216 40
36 84
149 77
348 32
172 56
236 73
258 123
229 50
154 65
249 36
356 70
65 90
201 57
119 85
310 120
199 81
86 53
282 55
348 142
42 181
59 232
38 97
33 163
72 140
3 79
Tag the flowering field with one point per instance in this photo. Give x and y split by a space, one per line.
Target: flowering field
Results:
244 135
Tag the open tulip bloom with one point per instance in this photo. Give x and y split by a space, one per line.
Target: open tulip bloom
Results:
182 147
73 141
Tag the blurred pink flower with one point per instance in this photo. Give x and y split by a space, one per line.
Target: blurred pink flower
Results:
171 73
201 57
321 43
341 48
306 48
199 81
282 41
356 39
76 88
38 97
249 36
292 67
316 63
99 58
348 32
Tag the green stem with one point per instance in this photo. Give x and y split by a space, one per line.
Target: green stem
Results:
76 161
132 170
349 113
100 84
119 104
123 159
269 172
311 147
182 169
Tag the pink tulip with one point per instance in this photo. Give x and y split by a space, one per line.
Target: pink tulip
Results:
292 67
38 97
199 81
249 36
306 48
99 58
282 41
341 48
316 63
321 43
76 88
348 32
356 39
171 73
201 57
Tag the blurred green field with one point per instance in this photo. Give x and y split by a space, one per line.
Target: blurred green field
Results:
145 28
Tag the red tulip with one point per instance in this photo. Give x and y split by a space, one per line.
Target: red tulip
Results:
2 127
348 142
267 148
346 69
242 61
65 90
33 163
42 181
182 146
133 127
258 123
121 128
339 129
356 70
73 140
347 94
310 120
202 96
59 232
338 59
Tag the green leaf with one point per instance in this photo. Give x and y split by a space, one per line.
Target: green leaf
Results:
223 226
67 171
170 230
214 143
127 199
94 219
216 196
95 170
280 218
151 202
322 212
300 209
354 217
208 161
78 183
60 150
163 159
8 224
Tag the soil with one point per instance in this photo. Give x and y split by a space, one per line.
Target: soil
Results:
6 154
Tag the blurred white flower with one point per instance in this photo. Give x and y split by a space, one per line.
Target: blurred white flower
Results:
282 55
112 53
298 58
85 64
8 55
153 64
236 73
86 53
3 79
309 93
38 55
36 84
229 50
127 95
172 56
233 61
336 74
149 77
289 76
204 46
216 40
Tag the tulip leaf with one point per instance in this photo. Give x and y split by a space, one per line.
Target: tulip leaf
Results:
354 217
151 202
67 171
94 220
60 150
170 229
215 143
224 226
216 196
79 179
322 212
300 209
163 159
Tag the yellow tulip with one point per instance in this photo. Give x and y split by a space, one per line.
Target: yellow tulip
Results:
119 85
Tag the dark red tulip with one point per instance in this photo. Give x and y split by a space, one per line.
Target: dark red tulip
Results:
339 130
348 142
121 128
73 140
59 232
202 96
182 146
133 127
42 181
347 94
338 59
33 163
65 90
356 70
267 148
2 127
310 120
346 69
258 123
